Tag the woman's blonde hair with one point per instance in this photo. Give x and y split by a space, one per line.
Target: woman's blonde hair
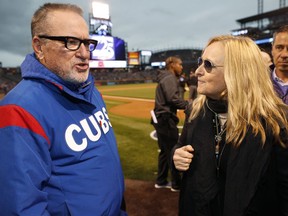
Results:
250 94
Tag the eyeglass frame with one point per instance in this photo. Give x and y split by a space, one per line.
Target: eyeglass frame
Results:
66 38
208 65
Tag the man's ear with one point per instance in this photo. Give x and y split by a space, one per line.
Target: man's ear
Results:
37 47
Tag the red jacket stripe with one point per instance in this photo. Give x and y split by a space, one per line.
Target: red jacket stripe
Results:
12 115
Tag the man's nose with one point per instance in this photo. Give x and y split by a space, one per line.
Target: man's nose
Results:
83 51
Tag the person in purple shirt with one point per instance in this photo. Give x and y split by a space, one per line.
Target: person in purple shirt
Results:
280 60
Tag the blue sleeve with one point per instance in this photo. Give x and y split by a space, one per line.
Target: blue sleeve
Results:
25 163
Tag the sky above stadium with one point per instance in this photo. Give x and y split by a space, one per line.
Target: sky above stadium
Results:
144 25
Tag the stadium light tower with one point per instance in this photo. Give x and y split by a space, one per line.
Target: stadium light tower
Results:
99 19
100 10
260 11
111 52
260 6
282 3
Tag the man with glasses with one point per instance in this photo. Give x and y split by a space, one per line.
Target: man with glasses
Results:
280 60
57 148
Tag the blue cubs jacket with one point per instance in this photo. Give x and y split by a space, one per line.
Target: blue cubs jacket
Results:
57 148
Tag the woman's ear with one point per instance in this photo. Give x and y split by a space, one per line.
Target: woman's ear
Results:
37 47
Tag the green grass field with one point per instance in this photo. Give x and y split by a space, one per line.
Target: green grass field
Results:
145 91
138 152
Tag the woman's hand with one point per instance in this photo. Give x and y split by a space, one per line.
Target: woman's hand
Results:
183 157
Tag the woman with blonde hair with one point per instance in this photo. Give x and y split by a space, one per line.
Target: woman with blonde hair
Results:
233 147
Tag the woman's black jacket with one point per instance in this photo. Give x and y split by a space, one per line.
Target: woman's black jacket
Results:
255 180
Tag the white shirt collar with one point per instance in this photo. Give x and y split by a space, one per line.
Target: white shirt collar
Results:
278 80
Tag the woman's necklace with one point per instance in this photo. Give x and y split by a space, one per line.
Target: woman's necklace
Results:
218 125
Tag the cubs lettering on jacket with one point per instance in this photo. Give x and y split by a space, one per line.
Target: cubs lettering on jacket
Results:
99 119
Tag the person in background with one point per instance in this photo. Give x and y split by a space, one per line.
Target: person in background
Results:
167 102
192 84
182 85
280 60
233 150
58 150
268 60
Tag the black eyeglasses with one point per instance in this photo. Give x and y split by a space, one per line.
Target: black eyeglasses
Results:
73 43
208 65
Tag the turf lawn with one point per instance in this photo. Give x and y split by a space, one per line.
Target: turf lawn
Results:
138 151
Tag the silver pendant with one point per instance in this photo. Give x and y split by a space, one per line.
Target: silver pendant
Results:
218 138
